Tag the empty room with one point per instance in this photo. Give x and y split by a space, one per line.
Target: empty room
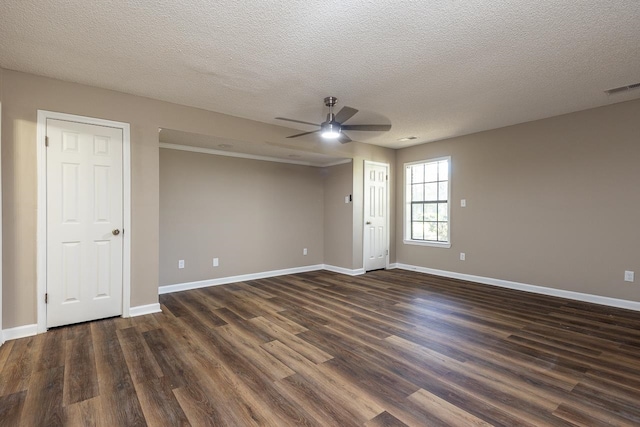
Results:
391 213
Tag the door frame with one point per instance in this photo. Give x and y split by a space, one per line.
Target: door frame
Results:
364 209
41 250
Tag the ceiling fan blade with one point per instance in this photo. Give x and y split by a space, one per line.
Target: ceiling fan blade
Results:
304 133
376 128
345 114
344 138
297 121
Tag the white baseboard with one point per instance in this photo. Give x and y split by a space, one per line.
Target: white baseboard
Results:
577 296
19 332
234 279
342 270
392 266
141 310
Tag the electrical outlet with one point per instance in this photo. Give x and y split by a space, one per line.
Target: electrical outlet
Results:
304 251
463 256
216 262
629 276
181 263
463 203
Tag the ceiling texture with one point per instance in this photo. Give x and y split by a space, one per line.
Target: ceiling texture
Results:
434 69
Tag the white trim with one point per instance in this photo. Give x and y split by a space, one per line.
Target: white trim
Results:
141 310
387 214
392 266
406 215
202 150
20 332
446 245
561 293
342 270
234 279
41 251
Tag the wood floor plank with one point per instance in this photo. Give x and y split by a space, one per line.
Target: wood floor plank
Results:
159 404
140 359
43 404
167 358
11 408
5 351
80 378
53 350
444 410
299 345
395 348
352 396
385 419
19 366
244 344
324 408
219 394
86 413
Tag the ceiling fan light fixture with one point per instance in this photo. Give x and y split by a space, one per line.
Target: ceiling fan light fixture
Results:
330 130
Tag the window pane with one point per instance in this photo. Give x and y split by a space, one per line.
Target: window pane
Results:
417 173
431 231
427 192
431 172
443 170
443 214
417 213
431 191
417 192
431 212
443 190
416 231
443 232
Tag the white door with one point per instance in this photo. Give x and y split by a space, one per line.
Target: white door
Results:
84 222
376 179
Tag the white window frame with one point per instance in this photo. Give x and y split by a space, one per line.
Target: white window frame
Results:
407 206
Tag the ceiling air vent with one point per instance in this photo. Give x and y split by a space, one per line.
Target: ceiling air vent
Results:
622 89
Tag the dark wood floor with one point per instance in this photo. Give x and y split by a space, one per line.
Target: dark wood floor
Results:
390 348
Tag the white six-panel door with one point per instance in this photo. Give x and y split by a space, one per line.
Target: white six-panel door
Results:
84 222
375 243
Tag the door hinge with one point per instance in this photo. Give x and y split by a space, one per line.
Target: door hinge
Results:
46 298
387 251
386 177
46 141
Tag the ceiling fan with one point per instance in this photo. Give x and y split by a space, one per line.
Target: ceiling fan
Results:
334 127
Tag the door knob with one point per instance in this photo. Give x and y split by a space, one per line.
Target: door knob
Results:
115 232
368 222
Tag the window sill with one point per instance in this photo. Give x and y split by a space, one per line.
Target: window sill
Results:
431 244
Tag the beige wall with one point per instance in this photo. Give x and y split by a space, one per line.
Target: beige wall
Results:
253 215
551 203
338 216
23 94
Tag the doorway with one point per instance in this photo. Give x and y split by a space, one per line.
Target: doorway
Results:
83 219
376 216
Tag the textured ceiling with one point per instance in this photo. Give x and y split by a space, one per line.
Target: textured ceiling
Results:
433 69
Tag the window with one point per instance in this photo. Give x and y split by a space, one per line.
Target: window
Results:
427 202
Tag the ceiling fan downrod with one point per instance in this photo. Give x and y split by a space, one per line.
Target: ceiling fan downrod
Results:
330 129
330 101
